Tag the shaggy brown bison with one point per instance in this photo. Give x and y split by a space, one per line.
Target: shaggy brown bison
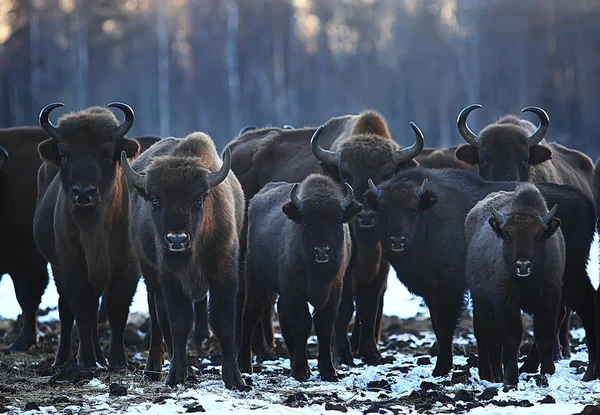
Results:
421 225
19 255
81 223
187 213
515 261
299 247
350 149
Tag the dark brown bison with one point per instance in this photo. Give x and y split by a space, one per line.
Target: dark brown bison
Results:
441 158
81 225
421 226
515 261
299 247
19 255
187 212
350 149
513 149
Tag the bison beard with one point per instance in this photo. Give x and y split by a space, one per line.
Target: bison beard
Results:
87 244
185 233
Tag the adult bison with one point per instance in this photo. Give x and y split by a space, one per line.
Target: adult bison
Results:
421 225
19 256
187 213
299 247
350 149
515 261
81 225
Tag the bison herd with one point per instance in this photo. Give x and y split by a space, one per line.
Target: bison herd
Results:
298 215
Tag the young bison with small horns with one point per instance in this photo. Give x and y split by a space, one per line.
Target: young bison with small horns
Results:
187 212
515 261
299 248
80 226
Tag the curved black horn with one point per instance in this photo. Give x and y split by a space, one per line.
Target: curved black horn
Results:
136 179
127 122
288 127
247 128
45 122
3 156
413 151
347 200
294 197
497 215
540 133
376 192
548 216
216 178
464 130
421 190
330 158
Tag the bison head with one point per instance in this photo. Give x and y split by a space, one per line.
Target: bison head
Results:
3 157
504 151
86 147
524 237
322 213
401 210
178 191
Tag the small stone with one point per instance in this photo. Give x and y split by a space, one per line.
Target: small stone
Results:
577 363
379 385
590 410
422 361
548 399
488 393
195 407
32 406
330 406
524 403
460 377
463 395
425 385
116 389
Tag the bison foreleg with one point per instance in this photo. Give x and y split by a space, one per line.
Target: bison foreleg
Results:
512 334
65 351
257 300
156 354
293 313
341 346
86 315
484 328
201 330
323 321
445 313
222 316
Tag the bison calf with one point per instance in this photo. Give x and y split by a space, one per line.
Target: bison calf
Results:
298 246
515 261
187 211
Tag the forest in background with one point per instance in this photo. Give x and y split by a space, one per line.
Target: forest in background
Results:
217 65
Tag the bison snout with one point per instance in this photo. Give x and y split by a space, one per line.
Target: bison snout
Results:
84 194
523 267
398 243
177 241
366 220
321 254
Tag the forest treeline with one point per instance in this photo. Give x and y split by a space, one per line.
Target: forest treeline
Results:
216 65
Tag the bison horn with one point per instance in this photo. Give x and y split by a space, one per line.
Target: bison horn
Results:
288 127
294 197
376 192
45 122
347 200
497 215
408 153
540 133
421 190
330 158
214 179
136 179
3 156
247 128
127 122
464 130
548 216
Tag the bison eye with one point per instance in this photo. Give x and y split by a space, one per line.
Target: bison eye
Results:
525 162
198 202
482 161
155 202
414 211
507 237
64 160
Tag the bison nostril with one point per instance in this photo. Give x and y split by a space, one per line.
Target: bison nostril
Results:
403 238
327 249
177 241
84 193
321 254
523 267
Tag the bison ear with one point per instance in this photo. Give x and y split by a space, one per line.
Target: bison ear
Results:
129 146
292 212
467 154
331 171
552 227
405 165
351 211
428 199
48 150
496 227
539 154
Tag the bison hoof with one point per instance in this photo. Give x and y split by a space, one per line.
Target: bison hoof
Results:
529 367
441 371
589 374
329 375
235 381
22 344
301 374
372 358
344 358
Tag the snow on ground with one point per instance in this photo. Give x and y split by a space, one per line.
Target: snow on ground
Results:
403 374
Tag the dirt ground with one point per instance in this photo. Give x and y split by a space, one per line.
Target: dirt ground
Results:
28 380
